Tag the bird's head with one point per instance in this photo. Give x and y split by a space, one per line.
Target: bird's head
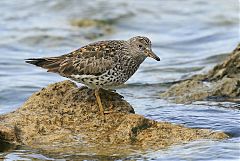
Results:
143 46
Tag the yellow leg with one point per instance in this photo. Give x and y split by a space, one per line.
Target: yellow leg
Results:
99 101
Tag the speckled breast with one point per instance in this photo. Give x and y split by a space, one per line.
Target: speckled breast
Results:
110 79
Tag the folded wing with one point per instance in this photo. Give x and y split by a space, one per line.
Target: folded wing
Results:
93 59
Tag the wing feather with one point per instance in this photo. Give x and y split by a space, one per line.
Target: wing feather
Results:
93 59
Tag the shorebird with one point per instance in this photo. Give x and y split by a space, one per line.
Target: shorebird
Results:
103 64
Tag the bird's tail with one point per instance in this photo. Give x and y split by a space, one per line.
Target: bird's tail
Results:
36 61
52 64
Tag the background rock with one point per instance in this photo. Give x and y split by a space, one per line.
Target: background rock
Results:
65 119
223 81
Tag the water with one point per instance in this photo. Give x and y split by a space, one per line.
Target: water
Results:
189 36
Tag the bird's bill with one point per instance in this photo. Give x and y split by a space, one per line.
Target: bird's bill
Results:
151 54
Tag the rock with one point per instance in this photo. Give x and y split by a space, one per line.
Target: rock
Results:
90 22
230 68
222 82
94 28
63 118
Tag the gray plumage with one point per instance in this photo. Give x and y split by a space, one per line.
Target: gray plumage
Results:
104 64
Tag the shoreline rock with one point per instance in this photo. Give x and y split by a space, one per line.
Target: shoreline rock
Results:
63 118
221 83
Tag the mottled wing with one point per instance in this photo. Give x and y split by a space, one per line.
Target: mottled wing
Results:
92 59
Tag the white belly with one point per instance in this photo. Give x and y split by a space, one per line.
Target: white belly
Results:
103 81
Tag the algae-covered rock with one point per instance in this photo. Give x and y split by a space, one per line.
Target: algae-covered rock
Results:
223 81
230 68
63 118
90 22
95 28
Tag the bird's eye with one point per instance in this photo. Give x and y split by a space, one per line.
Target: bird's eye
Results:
140 46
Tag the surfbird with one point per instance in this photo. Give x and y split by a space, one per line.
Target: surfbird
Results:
103 64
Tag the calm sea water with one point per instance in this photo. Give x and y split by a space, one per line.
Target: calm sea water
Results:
190 36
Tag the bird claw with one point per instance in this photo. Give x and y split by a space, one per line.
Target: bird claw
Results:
110 110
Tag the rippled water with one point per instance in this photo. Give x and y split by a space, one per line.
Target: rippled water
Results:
190 36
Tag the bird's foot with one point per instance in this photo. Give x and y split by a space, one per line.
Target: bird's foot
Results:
110 110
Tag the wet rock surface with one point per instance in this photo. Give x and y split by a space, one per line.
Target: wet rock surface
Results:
222 82
63 118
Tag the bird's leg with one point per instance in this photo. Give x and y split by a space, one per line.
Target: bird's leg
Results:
110 96
99 101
